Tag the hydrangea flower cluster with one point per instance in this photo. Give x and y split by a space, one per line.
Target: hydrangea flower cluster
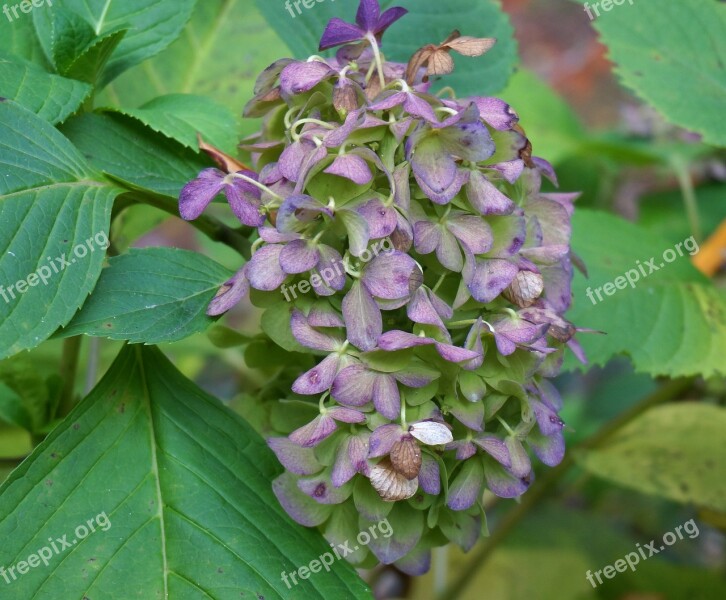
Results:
436 274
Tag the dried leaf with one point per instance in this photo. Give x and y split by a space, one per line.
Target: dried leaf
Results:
390 485
225 161
406 458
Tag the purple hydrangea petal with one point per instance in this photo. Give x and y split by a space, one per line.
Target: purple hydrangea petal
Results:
511 170
485 198
338 32
358 232
392 275
421 310
445 196
299 256
233 290
426 236
346 415
521 464
310 435
429 477
323 315
548 420
362 317
301 508
263 270
416 376
549 449
416 106
386 397
399 340
343 468
469 139
299 209
319 378
496 113
495 448
351 167
300 77
369 12
491 278
331 270
433 165
309 337
473 342
353 386
470 414
502 483
472 231
455 354
449 253
466 488
388 18
198 193
300 461
273 236
415 563
383 439
382 220
464 449
322 490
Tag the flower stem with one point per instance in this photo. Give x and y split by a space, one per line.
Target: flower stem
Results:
377 53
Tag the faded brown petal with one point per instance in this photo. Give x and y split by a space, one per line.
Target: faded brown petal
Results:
418 60
406 458
391 486
470 46
525 289
441 62
225 161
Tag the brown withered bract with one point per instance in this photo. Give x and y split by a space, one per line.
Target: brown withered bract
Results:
406 458
225 161
391 485
437 59
525 289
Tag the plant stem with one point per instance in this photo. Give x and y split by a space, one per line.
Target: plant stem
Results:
69 368
543 485
213 228
689 196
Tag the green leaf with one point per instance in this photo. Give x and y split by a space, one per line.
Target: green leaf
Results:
670 451
152 26
131 152
51 97
426 23
53 208
276 324
178 489
205 60
181 116
151 295
17 37
673 55
670 322
12 409
551 125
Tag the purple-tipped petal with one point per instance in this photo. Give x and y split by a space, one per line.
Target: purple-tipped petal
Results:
399 340
318 379
455 354
338 32
263 270
549 449
381 220
426 236
502 483
331 270
301 508
233 290
299 209
309 336
299 256
491 278
485 198
369 12
466 488
388 18
521 464
322 490
353 386
469 139
322 315
548 420
310 435
346 415
300 77
415 563
429 477
433 165
198 193
470 414
351 167
362 317
495 447
472 231
496 113
421 310
386 397
392 276
383 439
300 461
